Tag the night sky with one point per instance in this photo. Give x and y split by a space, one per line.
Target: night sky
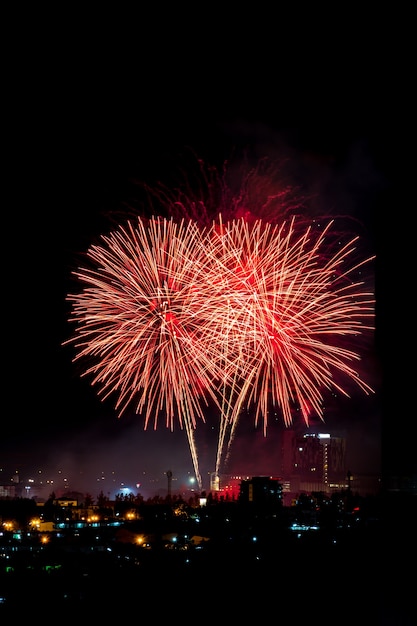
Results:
89 115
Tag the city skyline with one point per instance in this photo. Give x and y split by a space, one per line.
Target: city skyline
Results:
280 459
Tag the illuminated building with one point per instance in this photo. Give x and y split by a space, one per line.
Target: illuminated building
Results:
313 462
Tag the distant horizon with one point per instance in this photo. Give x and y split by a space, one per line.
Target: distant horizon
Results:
94 470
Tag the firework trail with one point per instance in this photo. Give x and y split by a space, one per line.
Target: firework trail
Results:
226 307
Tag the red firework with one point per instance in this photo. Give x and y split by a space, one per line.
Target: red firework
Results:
242 311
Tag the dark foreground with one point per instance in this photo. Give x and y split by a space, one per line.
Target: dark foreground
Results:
358 575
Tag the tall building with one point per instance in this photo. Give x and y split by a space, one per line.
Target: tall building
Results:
313 462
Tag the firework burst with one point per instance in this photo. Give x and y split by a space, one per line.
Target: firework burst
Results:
140 326
243 313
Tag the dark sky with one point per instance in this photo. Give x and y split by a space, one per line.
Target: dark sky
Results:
92 109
